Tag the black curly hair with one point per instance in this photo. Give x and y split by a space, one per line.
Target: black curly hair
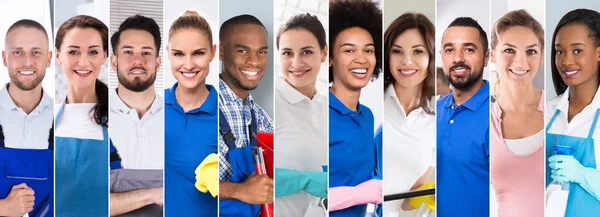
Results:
589 18
365 14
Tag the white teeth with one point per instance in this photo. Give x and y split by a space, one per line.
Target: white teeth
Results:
359 71
519 72
189 74
249 73
571 72
26 72
298 73
83 72
460 70
408 72
137 71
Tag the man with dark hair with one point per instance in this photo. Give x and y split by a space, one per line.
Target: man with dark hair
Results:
136 115
243 50
463 123
26 117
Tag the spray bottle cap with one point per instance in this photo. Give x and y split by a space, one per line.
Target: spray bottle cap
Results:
370 208
563 150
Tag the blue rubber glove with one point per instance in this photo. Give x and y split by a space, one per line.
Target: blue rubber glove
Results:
289 182
566 168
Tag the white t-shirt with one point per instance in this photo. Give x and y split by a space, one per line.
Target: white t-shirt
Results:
77 121
22 130
301 138
408 148
525 146
139 142
580 125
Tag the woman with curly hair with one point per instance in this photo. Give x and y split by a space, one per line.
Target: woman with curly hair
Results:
354 59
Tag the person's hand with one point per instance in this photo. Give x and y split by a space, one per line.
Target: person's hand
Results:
156 196
370 191
429 200
565 168
19 201
257 189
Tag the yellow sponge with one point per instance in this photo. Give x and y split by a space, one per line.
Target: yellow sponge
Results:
416 202
207 175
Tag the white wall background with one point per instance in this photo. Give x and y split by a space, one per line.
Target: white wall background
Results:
210 11
498 9
556 9
263 10
448 10
392 10
38 10
65 9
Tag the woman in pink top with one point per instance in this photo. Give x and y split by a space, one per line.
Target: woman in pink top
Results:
517 139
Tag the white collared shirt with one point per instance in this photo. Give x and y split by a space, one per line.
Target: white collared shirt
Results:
139 142
408 147
580 125
22 130
301 138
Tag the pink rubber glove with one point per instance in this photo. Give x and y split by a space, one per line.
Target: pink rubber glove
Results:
342 197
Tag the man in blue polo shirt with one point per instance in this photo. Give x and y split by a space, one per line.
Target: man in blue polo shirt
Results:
463 123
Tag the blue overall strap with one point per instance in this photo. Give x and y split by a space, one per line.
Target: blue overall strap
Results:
1 137
252 130
115 159
225 131
593 127
51 137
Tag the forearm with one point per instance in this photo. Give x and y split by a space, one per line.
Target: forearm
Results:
3 208
228 190
124 202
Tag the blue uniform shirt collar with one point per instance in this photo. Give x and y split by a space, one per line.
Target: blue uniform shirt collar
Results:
476 101
206 107
337 105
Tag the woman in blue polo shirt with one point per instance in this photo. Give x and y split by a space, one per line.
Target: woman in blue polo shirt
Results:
190 121
355 59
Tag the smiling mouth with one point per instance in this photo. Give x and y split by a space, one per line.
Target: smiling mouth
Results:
82 72
299 72
359 71
189 74
408 71
26 72
137 72
250 73
519 72
571 72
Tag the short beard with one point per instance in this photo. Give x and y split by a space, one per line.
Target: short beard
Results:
467 84
24 87
137 85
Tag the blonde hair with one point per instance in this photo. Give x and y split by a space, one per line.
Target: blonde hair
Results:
191 20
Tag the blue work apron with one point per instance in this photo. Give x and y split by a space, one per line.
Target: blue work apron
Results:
33 167
580 203
242 164
81 175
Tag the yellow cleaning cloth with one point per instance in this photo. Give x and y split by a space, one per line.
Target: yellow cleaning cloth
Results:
429 200
207 175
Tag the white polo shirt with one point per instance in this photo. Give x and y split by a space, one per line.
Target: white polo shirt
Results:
22 130
408 147
580 125
301 138
139 142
